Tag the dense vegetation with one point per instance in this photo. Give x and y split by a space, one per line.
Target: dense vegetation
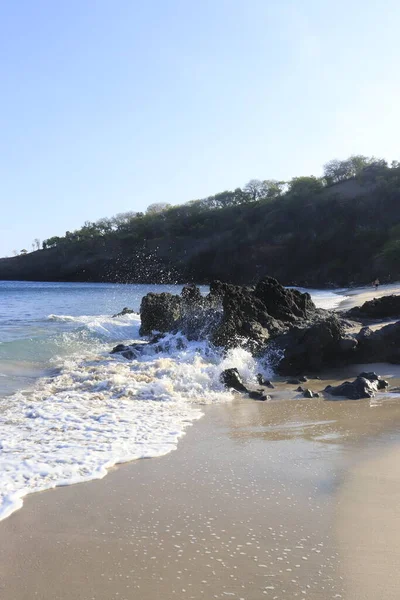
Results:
342 228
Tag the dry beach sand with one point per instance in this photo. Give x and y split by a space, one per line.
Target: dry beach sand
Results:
291 498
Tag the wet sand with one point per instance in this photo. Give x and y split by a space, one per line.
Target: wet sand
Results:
368 528
261 500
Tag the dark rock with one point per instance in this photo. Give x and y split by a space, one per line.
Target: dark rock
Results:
316 347
370 375
303 379
355 390
284 304
382 345
232 379
243 317
300 389
119 348
230 315
293 381
155 338
160 312
300 337
308 394
124 311
259 395
262 381
378 308
191 294
129 354
316 395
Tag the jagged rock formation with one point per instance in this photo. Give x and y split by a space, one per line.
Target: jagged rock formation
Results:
267 317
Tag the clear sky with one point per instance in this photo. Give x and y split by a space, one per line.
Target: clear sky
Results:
107 106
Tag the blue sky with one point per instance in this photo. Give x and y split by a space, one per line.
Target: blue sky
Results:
107 106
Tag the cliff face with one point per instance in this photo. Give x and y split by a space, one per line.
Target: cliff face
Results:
309 240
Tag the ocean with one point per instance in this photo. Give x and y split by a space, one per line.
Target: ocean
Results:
69 410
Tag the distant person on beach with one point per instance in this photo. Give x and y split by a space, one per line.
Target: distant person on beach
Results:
376 283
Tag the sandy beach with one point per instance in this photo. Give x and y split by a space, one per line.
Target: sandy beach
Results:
291 498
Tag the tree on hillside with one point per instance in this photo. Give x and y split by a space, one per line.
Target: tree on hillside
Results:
341 170
271 188
52 242
157 207
254 189
223 199
122 219
24 251
304 186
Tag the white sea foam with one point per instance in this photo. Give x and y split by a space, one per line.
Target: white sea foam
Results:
101 409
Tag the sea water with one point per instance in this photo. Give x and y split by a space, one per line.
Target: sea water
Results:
69 410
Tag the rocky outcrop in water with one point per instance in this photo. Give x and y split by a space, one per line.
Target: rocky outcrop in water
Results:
123 312
268 318
229 315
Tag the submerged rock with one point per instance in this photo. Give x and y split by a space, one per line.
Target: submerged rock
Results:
354 390
382 384
262 381
124 311
119 348
128 352
232 379
259 395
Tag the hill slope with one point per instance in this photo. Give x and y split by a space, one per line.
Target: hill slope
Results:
310 235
